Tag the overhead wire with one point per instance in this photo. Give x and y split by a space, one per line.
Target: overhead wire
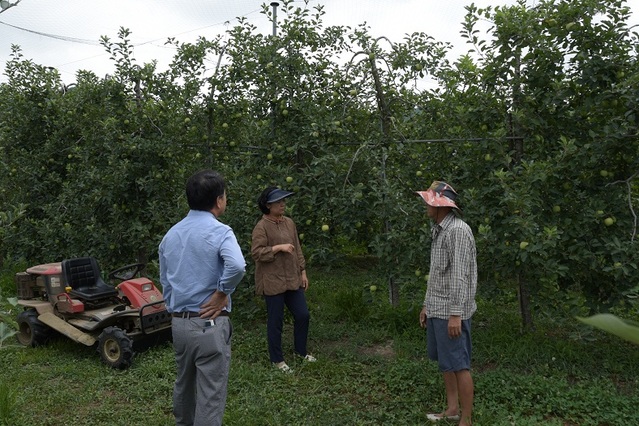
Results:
98 42
57 37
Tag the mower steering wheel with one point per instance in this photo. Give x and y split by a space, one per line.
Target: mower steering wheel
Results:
126 272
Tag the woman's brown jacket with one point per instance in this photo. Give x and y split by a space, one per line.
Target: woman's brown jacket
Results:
276 272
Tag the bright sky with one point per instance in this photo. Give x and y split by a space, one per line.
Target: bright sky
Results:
65 34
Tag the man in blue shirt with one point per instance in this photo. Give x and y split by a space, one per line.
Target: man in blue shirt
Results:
201 264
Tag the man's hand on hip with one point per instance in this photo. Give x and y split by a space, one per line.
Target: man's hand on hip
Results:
214 306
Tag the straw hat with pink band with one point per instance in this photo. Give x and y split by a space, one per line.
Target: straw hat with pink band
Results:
440 194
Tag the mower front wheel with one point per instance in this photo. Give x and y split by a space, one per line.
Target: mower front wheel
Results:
115 348
32 331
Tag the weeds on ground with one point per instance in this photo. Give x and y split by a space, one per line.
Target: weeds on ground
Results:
371 370
7 405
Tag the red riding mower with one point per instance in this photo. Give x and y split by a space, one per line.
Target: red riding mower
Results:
72 298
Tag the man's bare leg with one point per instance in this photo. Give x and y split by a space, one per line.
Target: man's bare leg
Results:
452 394
466 390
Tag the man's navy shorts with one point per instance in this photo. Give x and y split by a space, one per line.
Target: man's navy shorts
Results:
450 354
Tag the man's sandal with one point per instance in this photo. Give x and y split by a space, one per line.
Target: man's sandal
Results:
441 416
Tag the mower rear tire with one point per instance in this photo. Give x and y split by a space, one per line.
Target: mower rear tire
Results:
115 348
32 331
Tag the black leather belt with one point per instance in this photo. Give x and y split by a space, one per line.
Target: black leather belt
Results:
188 314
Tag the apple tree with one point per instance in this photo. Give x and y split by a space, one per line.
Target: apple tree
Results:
556 195
535 126
94 162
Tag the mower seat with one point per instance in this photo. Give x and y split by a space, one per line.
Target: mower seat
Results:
83 276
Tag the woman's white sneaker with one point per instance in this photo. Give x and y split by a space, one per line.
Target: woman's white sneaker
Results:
283 367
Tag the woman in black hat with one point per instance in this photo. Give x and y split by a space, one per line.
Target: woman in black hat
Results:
280 274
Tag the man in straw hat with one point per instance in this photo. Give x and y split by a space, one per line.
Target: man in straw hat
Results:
450 301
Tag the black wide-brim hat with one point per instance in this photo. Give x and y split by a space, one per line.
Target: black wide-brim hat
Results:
277 195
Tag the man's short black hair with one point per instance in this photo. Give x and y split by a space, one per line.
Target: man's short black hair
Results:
203 190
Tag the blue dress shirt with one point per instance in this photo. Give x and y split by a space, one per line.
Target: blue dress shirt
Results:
198 256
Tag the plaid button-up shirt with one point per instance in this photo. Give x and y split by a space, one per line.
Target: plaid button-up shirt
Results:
452 281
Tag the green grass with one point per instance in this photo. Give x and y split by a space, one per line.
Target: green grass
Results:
372 369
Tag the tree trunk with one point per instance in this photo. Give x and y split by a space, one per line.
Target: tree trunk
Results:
524 303
518 148
385 116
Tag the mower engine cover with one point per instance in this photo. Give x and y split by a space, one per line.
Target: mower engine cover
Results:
140 292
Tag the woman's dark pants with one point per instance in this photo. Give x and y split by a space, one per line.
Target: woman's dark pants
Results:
295 301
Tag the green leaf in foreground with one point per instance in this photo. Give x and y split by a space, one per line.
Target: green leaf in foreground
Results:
5 333
627 330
